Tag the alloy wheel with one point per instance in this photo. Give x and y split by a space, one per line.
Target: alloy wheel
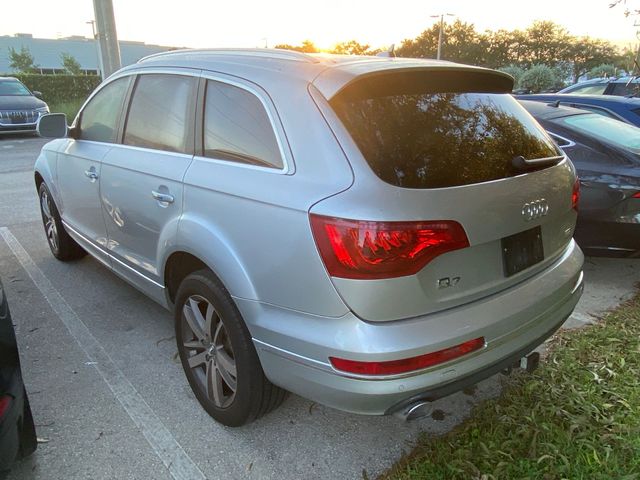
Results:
208 351
49 221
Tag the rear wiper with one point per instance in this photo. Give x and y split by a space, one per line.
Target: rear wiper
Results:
521 163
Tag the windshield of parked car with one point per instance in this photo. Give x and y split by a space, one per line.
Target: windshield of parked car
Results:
596 89
606 129
433 140
13 88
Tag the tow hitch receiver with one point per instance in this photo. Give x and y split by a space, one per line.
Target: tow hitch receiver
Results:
528 363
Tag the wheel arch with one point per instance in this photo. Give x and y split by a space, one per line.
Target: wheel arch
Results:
198 247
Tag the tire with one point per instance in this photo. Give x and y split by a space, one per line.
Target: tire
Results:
62 246
218 354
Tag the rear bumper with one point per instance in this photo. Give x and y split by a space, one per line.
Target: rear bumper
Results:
294 347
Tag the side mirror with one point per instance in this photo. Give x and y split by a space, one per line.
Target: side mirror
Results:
37 94
52 125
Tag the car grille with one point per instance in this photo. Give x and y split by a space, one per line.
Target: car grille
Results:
17 117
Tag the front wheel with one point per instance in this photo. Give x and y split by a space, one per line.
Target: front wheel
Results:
60 242
218 355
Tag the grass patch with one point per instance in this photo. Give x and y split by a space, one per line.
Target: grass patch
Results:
69 108
576 417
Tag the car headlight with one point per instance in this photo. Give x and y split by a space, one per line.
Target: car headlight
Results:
44 109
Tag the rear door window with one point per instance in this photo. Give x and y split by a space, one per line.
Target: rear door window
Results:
161 113
433 140
237 127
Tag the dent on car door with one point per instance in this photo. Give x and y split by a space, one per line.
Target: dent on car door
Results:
80 163
141 180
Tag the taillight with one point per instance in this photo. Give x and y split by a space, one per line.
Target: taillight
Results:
575 195
5 402
373 250
394 367
636 195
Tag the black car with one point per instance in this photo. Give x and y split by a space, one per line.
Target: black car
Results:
626 109
17 430
606 154
20 108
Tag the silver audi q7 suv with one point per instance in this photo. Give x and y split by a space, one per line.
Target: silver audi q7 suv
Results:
370 233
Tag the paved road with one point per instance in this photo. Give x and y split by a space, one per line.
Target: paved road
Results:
91 435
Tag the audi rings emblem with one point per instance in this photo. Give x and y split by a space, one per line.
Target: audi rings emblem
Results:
536 209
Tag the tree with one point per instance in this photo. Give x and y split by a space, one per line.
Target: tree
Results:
70 64
587 53
502 47
461 43
540 78
306 47
353 47
547 43
22 61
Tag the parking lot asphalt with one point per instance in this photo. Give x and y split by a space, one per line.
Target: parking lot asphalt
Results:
108 393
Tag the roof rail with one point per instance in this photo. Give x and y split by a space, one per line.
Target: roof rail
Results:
249 52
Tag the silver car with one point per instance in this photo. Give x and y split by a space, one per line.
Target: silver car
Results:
369 233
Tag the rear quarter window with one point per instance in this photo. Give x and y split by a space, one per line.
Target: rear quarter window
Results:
237 127
433 140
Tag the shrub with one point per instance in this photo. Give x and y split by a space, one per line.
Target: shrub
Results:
540 78
60 88
602 70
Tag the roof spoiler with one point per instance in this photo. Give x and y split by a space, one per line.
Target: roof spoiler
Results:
403 76
443 78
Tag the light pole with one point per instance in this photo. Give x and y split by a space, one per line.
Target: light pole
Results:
441 16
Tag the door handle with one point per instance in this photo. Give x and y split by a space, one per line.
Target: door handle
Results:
92 174
162 197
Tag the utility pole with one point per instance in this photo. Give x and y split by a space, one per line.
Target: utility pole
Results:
441 28
107 37
97 44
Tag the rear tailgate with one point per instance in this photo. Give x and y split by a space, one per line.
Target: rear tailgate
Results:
421 155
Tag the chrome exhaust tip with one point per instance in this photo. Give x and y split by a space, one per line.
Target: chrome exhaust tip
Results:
415 410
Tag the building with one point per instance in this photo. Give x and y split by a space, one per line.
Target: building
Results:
47 51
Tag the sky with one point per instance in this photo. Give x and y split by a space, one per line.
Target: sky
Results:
252 23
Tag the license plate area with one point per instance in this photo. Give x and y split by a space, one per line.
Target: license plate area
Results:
522 250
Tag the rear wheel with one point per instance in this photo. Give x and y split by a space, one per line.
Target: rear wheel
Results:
60 242
218 355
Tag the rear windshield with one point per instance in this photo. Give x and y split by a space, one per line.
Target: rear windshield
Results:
433 140
607 129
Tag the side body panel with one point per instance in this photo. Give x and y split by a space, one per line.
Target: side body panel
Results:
250 224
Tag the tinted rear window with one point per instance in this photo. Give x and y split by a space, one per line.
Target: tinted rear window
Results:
624 89
432 140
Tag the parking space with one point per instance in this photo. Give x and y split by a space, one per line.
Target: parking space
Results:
109 396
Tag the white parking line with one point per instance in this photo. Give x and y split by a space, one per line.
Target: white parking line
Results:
172 455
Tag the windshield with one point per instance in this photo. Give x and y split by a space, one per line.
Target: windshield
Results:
607 129
432 140
13 87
